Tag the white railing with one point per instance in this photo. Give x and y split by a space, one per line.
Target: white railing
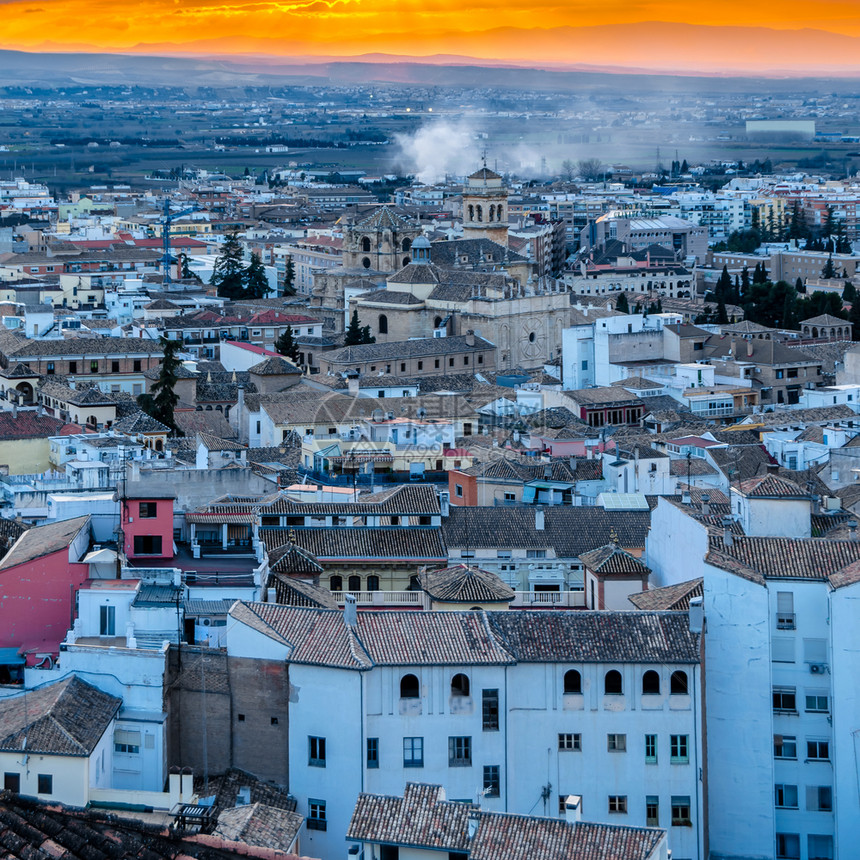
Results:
382 598
546 599
538 599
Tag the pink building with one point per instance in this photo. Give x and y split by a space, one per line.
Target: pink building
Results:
147 525
39 578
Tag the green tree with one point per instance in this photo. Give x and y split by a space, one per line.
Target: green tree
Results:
684 167
357 334
829 271
722 315
161 401
849 294
621 303
800 286
290 278
185 270
287 346
228 274
366 336
256 284
854 319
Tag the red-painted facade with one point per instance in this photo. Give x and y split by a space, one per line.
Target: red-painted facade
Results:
37 602
147 526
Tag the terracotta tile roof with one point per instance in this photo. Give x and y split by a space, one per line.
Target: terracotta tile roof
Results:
43 540
424 819
261 825
465 583
421 545
140 422
226 788
428 346
296 592
383 638
784 558
697 466
275 367
28 424
66 718
611 559
771 487
570 531
292 559
669 597
609 637
405 499
31 830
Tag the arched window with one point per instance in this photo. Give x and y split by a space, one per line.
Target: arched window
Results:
480 212
678 684
499 216
159 445
373 583
409 687
471 212
407 261
437 322
572 681
365 262
492 212
365 245
355 583
650 683
335 583
383 324
612 683
460 685
407 244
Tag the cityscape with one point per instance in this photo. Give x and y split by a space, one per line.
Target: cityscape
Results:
427 432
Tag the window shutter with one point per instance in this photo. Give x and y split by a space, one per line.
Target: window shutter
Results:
815 650
122 736
782 650
784 602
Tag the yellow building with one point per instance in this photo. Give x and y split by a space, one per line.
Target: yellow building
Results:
24 445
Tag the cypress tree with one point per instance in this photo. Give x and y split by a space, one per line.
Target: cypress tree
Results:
353 331
161 401
286 345
228 275
621 304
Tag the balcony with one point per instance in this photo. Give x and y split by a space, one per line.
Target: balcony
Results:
418 600
785 621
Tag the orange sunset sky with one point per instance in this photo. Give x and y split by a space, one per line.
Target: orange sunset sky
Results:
718 36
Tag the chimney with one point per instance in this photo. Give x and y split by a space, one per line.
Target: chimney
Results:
697 614
685 497
14 409
706 504
350 611
573 808
470 337
271 595
539 519
749 347
135 470
852 530
728 539
734 352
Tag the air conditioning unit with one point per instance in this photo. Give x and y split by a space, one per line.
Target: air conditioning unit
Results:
817 668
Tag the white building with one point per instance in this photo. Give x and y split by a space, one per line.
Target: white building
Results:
783 703
519 709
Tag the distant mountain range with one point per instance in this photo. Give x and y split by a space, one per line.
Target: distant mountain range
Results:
502 56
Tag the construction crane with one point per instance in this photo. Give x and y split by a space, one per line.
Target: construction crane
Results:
166 220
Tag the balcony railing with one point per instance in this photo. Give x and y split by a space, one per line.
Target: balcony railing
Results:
418 599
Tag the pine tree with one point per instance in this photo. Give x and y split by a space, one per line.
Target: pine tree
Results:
829 270
228 275
366 336
684 167
800 286
849 294
287 346
185 270
256 283
854 319
621 303
290 278
354 332
722 315
162 400
745 280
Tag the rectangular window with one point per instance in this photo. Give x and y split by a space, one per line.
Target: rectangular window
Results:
818 750
535 553
618 803
12 782
413 752
316 752
784 610
787 846
49 368
126 742
492 781
107 621
585 364
136 365
459 752
45 784
94 366
450 362
784 746
114 367
458 490
817 703
819 798
436 363
616 743
570 741
785 699
148 510
819 847
785 796
679 752
316 819
782 649
373 752
650 749
652 811
147 544
490 710
681 811
73 367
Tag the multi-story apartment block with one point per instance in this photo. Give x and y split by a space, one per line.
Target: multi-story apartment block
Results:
517 710
782 698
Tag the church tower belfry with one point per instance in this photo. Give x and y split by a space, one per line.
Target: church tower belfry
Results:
485 207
